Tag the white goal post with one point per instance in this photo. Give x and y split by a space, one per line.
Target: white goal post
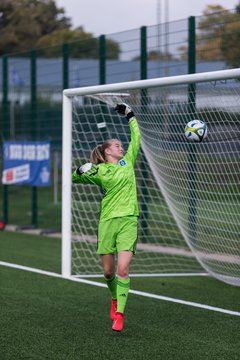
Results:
189 193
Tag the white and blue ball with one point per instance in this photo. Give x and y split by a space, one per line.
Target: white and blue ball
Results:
196 130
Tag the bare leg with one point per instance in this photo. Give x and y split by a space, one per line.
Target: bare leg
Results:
108 265
124 260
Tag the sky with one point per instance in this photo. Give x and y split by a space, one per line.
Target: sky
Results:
111 16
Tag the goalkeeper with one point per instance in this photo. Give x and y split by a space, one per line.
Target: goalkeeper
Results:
114 173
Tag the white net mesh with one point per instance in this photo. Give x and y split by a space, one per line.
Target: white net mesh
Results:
189 193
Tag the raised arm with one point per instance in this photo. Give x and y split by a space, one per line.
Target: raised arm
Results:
134 146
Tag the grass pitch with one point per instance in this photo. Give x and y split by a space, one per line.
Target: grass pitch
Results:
44 317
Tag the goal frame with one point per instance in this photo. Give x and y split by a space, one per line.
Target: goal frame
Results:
67 137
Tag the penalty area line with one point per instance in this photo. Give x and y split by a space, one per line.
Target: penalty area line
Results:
135 292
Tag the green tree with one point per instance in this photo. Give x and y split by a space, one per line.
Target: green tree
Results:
157 55
210 31
23 22
230 40
27 24
218 36
82 44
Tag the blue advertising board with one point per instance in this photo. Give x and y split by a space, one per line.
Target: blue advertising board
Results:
26 163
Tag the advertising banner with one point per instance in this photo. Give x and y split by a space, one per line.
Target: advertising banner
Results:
26 163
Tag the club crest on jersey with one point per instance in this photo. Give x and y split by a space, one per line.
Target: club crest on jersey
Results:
122 162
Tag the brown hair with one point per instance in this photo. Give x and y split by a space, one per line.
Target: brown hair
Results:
98 153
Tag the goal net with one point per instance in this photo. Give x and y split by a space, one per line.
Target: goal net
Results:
189 193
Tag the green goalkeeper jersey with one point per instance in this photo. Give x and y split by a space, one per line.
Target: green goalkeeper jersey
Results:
117 181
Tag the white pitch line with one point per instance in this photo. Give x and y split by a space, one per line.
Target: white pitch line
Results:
145 275
135 292
189 303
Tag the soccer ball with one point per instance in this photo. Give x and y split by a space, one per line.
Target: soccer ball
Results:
196 130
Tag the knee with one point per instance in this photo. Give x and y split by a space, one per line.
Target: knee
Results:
108 273
122 272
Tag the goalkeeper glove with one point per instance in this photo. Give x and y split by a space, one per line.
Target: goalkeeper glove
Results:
124 109
84 168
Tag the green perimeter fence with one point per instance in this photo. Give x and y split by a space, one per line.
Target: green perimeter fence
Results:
31 87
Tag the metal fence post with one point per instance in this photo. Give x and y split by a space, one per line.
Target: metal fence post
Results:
65 74
192 157
191 45
33 70
192 64
144 168
143 65
102 80
102 60
5 113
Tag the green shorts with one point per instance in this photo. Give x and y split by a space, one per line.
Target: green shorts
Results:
117 234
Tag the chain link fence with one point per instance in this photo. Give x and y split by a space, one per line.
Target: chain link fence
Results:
31 87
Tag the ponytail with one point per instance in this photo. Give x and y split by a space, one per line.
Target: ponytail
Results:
98 155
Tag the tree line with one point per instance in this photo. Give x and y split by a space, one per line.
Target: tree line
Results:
218 36
40 24
28 24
